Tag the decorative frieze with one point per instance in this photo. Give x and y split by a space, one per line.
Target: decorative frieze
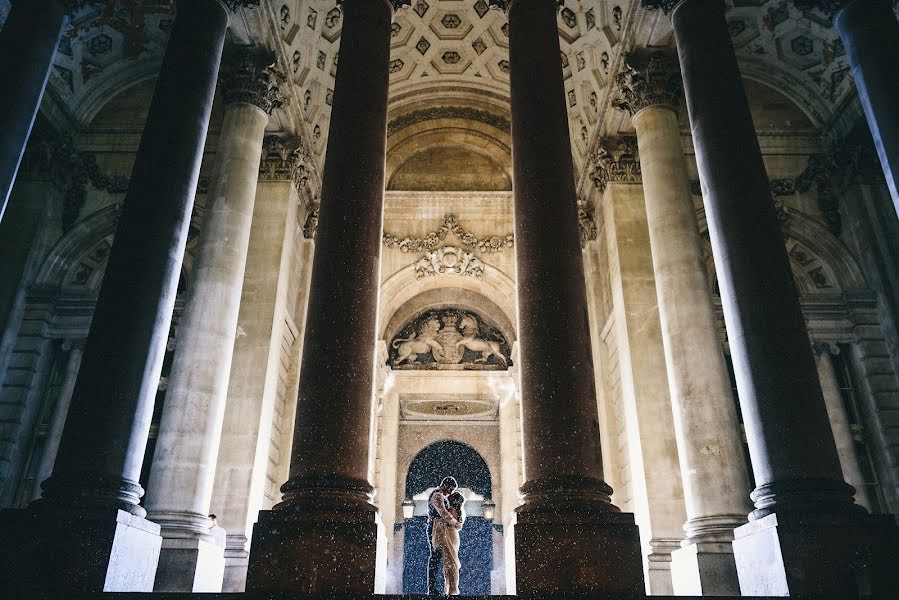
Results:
616 160
285 160
651 80
487 244
248 75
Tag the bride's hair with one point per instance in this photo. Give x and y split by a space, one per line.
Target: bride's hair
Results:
457 501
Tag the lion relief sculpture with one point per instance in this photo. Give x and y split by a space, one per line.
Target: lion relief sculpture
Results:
422 342
449 338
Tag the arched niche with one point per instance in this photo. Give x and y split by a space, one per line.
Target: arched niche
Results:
820 262
404 297
448 458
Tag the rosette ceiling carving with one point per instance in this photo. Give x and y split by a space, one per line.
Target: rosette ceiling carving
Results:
450 45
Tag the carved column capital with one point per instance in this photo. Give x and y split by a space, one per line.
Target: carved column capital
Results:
250 76
666 5
615 161
285 160
651 80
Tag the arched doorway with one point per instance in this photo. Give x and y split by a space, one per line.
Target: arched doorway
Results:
476 553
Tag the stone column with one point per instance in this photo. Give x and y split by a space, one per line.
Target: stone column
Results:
28 43
800 493
566 502
839 420
869 30
325 502
89 507
243 459
75 348
183 470
716 484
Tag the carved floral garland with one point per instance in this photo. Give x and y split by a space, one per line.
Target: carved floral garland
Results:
495 243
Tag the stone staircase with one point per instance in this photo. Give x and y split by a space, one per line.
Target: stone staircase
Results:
336 596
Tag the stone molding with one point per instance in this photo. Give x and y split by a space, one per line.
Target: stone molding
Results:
449 112
487 244
285 160
250 76
648 81
616 160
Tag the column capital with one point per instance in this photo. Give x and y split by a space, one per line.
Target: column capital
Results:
285 160
645 81
250 76
615 160
505 5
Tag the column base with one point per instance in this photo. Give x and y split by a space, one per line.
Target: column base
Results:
65 551
236 562
658 570
841 556
313 551
190 564
704 569
601 552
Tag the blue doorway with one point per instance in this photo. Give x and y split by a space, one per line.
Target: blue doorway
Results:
476 552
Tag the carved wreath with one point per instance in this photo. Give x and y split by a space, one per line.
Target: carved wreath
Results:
496 243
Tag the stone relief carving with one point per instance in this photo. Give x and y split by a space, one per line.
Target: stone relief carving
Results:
615 161
449 260
449 339
286 160
586 222
310 226
488 244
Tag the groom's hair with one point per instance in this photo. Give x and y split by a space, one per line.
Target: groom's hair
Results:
449 482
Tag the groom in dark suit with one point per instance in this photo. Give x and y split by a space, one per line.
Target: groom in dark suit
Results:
438 508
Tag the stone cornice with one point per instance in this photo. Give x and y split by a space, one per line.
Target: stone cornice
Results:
615 161
449 112
285 160
249 76
646 81
487 244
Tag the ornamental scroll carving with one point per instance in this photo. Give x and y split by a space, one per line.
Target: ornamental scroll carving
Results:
449 260
449 339
487 245
248 75
285 160
615 161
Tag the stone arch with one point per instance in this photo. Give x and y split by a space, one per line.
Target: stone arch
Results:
76 263
820 262
449 457
404 296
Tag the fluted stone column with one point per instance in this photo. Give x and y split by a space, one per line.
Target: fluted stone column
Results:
87 532
323 535
870 35
183 470
716 484
243 461
566 503
28 43
839 420
806 531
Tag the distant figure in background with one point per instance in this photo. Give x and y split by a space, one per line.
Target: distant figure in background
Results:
438 510
218 533
446 539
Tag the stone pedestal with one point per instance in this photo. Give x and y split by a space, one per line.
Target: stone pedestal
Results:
842 557
705 569
117 551
189 563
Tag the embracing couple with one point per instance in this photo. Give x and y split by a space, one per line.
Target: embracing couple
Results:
445 517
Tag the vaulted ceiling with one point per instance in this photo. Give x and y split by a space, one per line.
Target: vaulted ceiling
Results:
447 50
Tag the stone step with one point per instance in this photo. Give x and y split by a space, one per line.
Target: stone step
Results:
336 596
